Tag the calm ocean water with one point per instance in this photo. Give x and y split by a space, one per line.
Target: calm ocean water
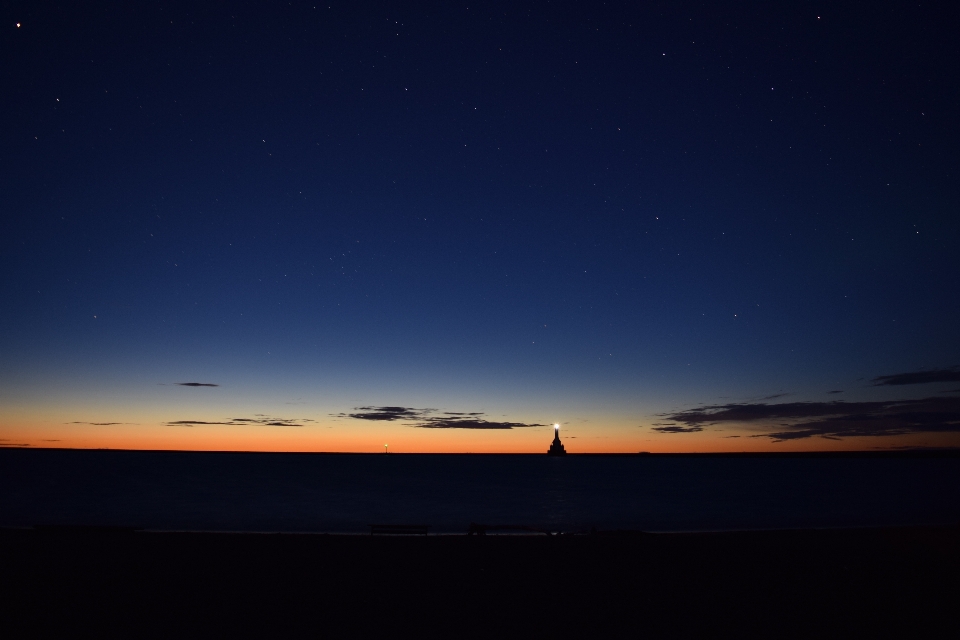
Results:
345 493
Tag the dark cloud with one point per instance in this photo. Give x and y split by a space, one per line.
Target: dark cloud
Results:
444 422
918 377
197 384
837 419
774 396
835 391
747 412
428 418
675 428
99 424
259 419
388 414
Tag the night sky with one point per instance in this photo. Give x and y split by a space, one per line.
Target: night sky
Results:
444 227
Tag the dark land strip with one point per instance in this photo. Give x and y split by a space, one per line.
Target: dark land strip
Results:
798 583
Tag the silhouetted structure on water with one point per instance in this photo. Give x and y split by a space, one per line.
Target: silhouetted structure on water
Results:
556 447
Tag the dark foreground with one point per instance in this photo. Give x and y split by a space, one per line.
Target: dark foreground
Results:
787 583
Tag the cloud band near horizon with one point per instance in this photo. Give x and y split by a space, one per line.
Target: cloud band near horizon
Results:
832 420
432 419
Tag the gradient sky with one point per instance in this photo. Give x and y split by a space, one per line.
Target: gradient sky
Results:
668 226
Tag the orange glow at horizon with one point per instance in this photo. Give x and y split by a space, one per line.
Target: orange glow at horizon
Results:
370 438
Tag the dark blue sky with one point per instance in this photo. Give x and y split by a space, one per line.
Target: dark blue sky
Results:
546 211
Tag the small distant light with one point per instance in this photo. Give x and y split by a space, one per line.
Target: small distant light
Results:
18 25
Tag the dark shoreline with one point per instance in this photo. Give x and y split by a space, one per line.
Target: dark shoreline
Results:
796 583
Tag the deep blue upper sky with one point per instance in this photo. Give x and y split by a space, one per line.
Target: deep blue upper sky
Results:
566 201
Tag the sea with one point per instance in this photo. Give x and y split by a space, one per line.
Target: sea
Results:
346 493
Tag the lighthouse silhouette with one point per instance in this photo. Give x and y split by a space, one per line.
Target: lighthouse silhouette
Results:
556 447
